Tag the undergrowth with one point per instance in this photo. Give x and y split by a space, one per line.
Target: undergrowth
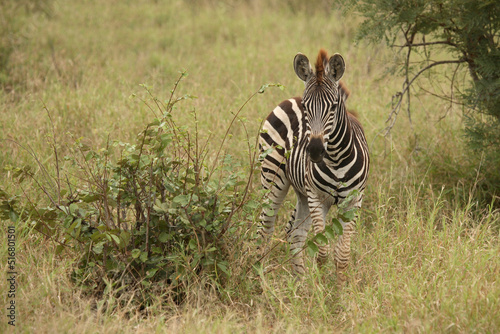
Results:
142 215
153 217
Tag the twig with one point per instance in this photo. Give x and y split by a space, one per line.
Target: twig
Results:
42 168
229 128
58 179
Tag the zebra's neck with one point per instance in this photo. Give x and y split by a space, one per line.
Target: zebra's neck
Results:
339 145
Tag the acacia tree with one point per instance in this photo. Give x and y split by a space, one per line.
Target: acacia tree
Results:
468 32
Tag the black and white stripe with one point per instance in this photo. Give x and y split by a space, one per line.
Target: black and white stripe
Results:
313 144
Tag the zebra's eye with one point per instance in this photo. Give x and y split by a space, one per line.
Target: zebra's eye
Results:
334 105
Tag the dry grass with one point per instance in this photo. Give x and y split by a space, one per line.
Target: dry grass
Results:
426 256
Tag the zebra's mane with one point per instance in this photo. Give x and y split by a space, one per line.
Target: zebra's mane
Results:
321 61
343 90
320 64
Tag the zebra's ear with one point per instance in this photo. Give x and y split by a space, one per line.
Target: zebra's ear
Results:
336 66
302 67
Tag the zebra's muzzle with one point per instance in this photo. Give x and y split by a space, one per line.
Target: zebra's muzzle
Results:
316 149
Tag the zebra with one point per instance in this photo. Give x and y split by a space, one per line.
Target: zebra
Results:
315 145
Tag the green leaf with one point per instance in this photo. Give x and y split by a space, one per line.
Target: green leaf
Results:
89 198
155 122
160 207
135 253
349 215
182 200
164 237
269 212
116 239
240 183
252 204
312 248
321 239
13 216
144 256
151 272
125 236
337 226
89 156
222 266
73 208
64 209
265 86
75 224
98 248
97 236
193 244
156 250
166 138
329 232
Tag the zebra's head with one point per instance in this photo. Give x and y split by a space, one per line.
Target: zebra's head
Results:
321 98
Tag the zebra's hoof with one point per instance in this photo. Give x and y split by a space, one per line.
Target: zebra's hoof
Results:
341 277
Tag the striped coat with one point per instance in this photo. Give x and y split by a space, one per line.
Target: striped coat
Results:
314 145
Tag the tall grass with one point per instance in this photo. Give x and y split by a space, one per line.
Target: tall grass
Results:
425 258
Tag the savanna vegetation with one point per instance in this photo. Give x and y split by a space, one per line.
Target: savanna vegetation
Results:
130 173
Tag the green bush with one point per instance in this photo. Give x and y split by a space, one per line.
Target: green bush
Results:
149 214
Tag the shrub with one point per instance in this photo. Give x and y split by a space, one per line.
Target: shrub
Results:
148 214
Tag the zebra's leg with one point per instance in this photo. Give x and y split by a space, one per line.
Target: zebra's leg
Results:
343 246
319 210
297 233
276 196
273 179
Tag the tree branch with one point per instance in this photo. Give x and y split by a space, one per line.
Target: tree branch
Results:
406 86
409 45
